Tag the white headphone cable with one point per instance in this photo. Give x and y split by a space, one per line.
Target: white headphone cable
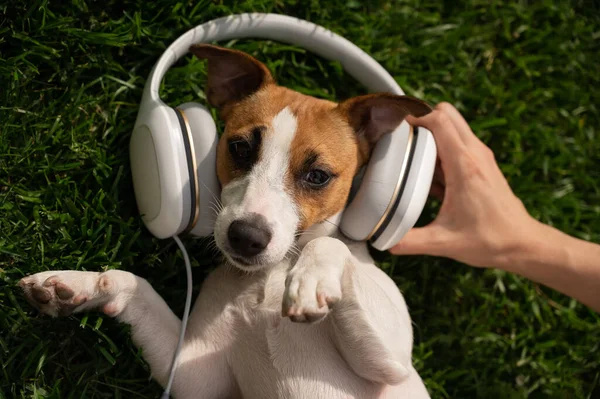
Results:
184 320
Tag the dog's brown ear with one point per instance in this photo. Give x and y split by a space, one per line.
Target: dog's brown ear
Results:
374 115
232 74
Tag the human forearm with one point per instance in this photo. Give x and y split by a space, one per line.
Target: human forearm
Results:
561 262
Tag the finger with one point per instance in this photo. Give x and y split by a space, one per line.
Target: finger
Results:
426 240
462 127
448 141
481 150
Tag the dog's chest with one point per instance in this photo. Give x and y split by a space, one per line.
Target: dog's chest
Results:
275 349
260 316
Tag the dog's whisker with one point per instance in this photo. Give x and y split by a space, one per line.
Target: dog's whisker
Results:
229 267
308 234
304 232
333 224
216 208
294 251
212 246
202 240
216 205
218 201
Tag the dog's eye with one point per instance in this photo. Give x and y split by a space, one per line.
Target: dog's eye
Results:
317 178
244 150
242 153
240 149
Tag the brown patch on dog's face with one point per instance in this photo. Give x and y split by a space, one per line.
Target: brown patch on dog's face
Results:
325 146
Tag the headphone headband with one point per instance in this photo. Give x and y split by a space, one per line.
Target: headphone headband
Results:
283 29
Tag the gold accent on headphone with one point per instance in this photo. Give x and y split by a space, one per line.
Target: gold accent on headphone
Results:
403 171
195 174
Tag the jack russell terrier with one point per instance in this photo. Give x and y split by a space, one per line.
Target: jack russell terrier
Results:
297 310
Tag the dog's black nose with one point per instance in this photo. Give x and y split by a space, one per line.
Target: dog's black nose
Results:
249 237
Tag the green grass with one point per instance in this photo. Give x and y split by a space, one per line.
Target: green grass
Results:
525 74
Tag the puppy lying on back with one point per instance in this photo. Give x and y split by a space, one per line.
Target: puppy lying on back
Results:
303 313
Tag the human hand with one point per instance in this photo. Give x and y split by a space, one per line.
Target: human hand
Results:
481 222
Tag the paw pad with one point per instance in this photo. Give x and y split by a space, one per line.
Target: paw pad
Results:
63 291
50 295
110 309
104 283
40 294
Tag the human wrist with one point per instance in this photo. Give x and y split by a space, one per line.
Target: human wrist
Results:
537 245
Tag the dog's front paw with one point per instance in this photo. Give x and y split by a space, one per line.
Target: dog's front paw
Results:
314 285
61 293
310 293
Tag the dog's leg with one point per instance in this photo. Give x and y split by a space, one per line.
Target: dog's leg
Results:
370 321
155 328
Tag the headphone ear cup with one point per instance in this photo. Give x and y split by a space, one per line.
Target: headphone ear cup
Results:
206 188
394 188
159 169
373 198
409 205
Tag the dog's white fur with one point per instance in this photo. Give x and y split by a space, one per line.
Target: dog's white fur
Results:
262 191
238 343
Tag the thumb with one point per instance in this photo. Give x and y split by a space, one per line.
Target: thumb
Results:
420 241
413 120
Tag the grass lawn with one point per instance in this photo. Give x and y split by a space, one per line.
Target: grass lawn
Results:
525 74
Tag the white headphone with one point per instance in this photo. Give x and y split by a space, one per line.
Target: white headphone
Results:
173 150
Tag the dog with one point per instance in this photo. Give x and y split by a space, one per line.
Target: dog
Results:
296 310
